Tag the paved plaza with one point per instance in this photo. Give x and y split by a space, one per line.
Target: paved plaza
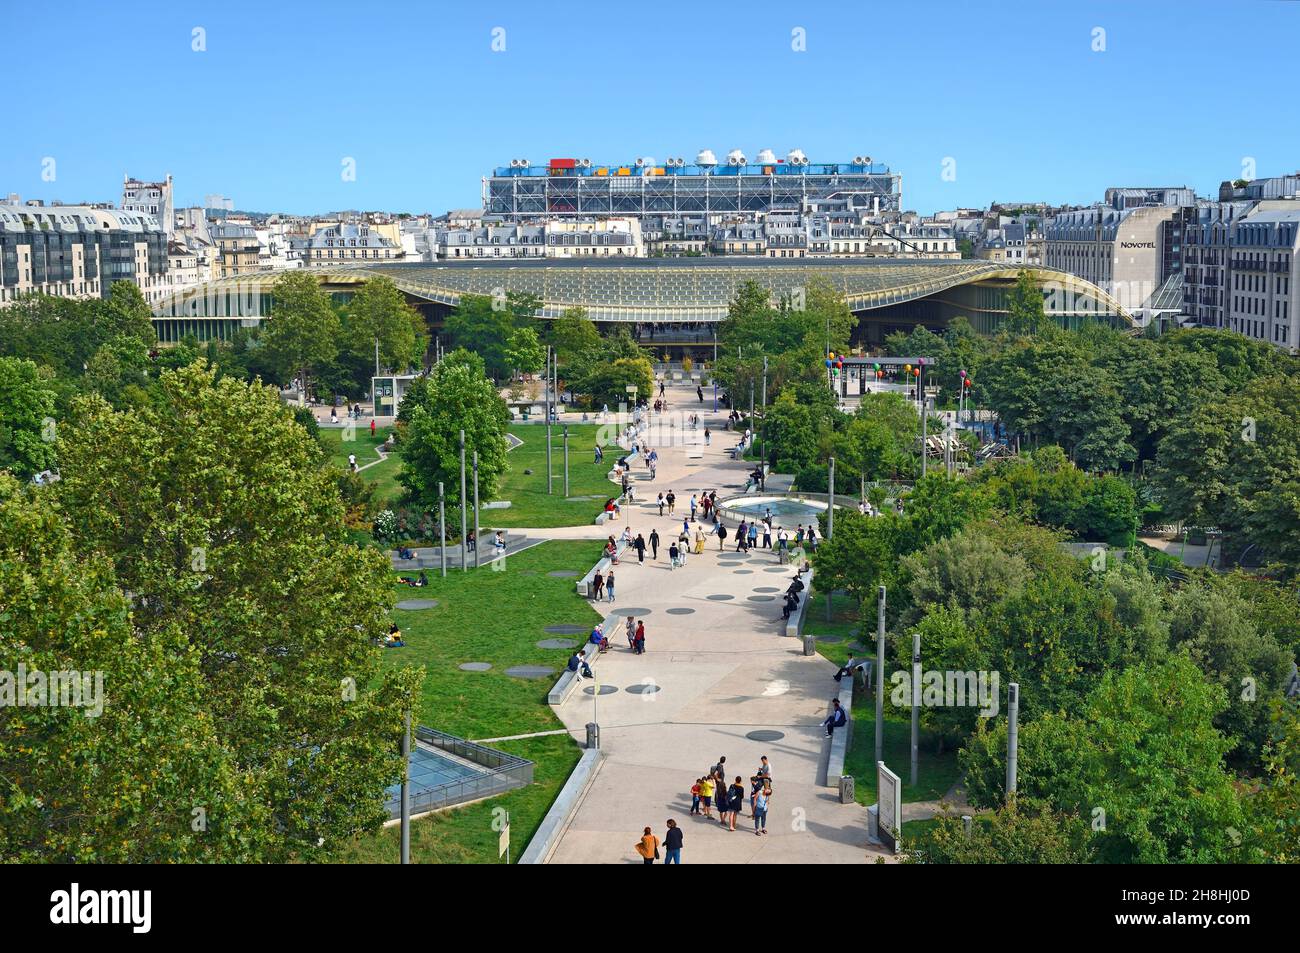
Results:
710 678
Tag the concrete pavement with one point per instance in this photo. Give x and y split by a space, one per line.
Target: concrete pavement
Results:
710 676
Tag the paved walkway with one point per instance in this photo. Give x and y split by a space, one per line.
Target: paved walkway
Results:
709 678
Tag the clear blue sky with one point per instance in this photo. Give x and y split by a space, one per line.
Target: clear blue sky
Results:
413 91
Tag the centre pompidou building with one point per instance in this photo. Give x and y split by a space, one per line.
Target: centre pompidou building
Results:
645 187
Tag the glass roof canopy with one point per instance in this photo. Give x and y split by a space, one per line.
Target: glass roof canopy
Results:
691 290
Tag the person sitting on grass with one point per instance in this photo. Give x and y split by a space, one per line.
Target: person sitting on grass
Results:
394 639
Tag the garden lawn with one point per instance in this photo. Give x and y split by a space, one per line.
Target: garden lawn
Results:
383 474
530 504
495 617
466 835
936 773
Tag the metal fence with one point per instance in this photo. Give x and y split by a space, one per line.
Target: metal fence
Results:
502 772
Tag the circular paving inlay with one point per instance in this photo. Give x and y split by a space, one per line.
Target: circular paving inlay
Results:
557 644
721 596
475 666
566 629
530 671
761 598
680 610
733 555
563 573
766 589
604 690
765 734
642 689
744 572
624 613
778 569
417 603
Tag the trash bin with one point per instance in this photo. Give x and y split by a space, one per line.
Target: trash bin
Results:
809 645
593 735
846 789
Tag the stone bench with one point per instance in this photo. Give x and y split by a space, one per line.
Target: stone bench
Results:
584 584
794 624
842 737
568 682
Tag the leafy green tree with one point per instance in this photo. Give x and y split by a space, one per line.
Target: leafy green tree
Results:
216 515
1023 832
26 419
379 312
1143 761
574 337
1235 464
1213 624
1025 311
525 352
456 397
122 776
1273 811
303 332
606 382
861 556
479 326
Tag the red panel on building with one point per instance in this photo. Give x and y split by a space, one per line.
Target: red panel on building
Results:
564 163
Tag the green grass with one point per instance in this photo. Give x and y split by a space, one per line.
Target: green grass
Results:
466 835
383 475
844 624
530 504
495 617
936 773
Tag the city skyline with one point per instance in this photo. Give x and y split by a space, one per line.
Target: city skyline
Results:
959 113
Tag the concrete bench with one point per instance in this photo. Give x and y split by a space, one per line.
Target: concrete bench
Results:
584 584
794 624
568 683
842 737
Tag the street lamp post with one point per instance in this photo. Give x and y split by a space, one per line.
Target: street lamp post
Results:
464 519
442 528
475 509
547 385
566 461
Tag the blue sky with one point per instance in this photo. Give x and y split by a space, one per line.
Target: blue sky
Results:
1185 92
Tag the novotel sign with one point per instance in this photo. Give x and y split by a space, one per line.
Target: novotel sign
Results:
1137 244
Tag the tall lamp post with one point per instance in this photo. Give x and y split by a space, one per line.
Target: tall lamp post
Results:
464 519
475 509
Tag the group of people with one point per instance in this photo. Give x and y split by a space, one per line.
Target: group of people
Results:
354 412
712 791
792 597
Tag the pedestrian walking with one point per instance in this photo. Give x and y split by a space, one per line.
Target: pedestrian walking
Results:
721 530
707 435
654 544
598 587
661 504
638 644
695 795
753 535
693 506
630 628
767 536
671 498
609 586
648 847
372 426
673 844
639 545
